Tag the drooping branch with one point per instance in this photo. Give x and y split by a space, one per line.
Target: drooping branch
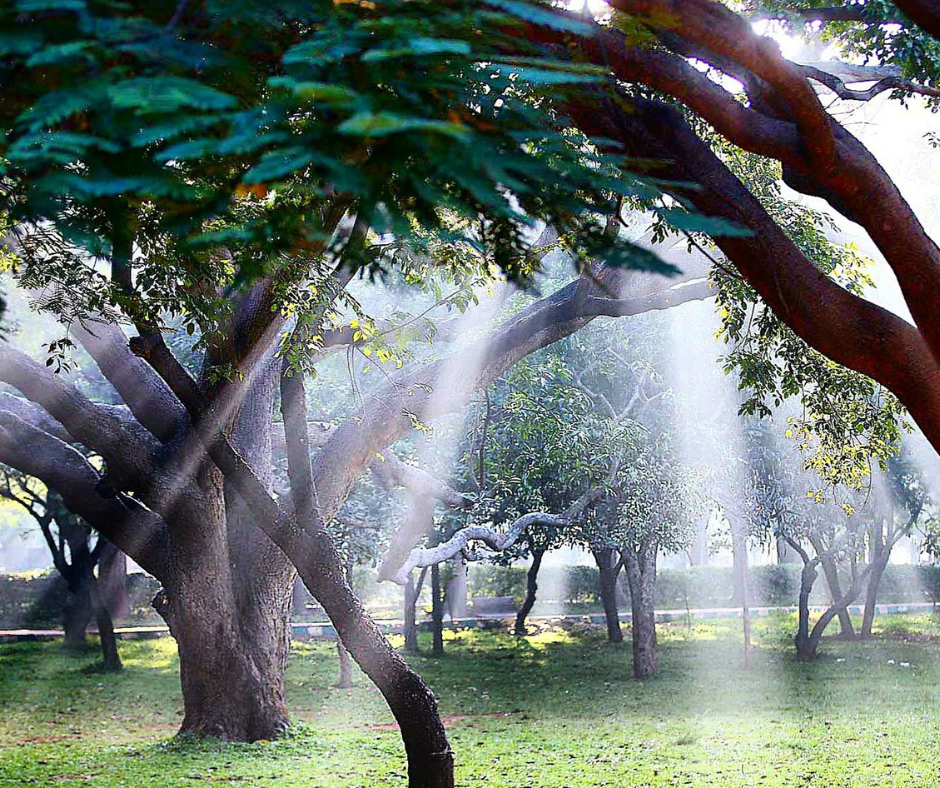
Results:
498 540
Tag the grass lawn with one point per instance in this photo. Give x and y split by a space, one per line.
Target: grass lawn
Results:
555 709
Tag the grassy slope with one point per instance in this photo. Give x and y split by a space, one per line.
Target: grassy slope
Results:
552 710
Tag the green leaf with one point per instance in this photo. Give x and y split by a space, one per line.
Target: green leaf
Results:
418 47
696 223
537 15
380 124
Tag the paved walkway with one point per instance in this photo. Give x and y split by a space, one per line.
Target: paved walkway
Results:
325 631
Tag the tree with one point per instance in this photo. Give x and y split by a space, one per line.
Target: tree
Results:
174 199
74 557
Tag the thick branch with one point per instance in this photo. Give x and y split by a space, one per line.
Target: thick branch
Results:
133 528
445 385
837 76
924 13
123 443
148 397
841 325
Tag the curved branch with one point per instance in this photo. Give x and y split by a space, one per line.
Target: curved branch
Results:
391 471
837 76
846 328
496 540
445 385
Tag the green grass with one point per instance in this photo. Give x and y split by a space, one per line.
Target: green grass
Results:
555 710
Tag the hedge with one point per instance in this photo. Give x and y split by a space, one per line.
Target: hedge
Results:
700 587
35 601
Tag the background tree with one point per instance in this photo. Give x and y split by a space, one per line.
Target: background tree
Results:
75 555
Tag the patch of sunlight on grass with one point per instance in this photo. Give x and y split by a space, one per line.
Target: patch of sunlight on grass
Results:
554 709
156 654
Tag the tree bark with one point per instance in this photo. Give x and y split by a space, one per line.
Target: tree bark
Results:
455 594
831 572
226 692
805 649
111 658
112 580
412 592
437 612
77 614
871 595
345 663
608 568
531 589
430 759
741 576
641 575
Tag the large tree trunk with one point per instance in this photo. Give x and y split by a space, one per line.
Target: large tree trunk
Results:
608 569
231 643
262 576
531 590
641 575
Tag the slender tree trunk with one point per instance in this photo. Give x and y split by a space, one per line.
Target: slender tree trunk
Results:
805 651
831 572
880 555
437 612
531 589
455 594
412 592
608 569
430 759
641 575
111 658
345 680
112 580
871 593
739 550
